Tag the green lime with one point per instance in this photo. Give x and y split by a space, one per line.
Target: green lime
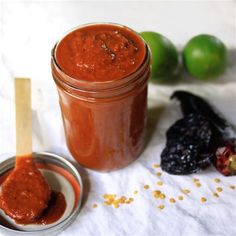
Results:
164 55
204 57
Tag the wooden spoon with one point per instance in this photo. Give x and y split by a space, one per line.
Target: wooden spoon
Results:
23 119
25 193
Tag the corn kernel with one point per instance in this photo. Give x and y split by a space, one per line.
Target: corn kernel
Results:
219 189
203 199
156 193
160 183
195 180
158 174
232 186
216 180
180 197
186 191
161 207
172 200
135 192
95 205
155 165
107 196
198 184
116 202
146 186
106 203
162 196
122 199
216 194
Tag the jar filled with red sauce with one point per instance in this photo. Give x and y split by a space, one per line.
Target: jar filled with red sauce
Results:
101 72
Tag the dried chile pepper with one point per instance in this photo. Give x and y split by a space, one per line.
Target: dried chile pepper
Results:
200 138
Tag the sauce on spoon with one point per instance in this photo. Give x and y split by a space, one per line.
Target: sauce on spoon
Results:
25 195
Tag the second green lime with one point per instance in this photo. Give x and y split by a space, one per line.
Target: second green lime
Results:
204 57
164 55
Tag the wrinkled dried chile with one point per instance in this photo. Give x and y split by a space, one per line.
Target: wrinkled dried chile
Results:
196 140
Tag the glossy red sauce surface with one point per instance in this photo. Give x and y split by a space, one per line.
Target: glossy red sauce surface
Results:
100 53
55 210
27 198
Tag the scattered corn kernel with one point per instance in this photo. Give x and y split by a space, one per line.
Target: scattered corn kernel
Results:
108 196
161 207
111 200
232 186
158 174
216 180
122 199
186 191
162 196
146 186
180 197
135 192
172 200
156 193
197 184
160 183
216 194
219 189
106 203
203 199
155 165
195 180
95 205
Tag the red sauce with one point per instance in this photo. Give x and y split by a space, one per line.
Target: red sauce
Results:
105 121
54 211
100 53
27 198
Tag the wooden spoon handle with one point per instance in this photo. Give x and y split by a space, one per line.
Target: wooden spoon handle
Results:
23 117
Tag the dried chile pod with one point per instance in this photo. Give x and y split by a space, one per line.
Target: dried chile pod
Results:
194 127
206 131
191 103
182 159
189 145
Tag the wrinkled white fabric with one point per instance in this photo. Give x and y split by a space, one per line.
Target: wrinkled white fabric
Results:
27 34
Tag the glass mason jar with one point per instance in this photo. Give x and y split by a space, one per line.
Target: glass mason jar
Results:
104 121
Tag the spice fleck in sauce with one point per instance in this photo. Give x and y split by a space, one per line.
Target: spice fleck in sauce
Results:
27 198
